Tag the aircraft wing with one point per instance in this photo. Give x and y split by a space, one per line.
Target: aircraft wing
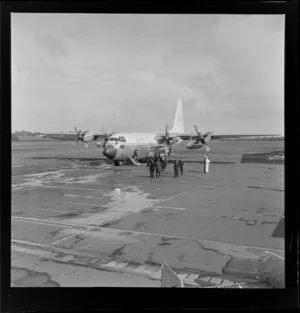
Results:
70 136
99 136
191 136
242 136
60 136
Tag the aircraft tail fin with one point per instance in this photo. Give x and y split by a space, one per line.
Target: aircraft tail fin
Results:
178 126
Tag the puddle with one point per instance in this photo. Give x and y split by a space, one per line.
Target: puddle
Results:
69 215
274 157
125 233
168 238
139 225
23 277
134 200
39 179
266 188
117 252
164 244
248 222
181 257
109 224
57 177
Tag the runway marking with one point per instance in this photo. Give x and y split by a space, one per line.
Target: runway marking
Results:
43 173
169 207
192 239
22 188
37 222
52 223
164 200
46 222
64 211
81 203
68 237
86 197
17 165
63 187
68 225
279 256
30 243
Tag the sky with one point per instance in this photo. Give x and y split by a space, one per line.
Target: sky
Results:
125 72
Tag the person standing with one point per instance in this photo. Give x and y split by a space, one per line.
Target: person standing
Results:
157 167
150 164
135 155
161 161
164 162
152 168
181 163
206 164
175 167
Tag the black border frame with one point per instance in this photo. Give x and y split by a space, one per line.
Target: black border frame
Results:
87 299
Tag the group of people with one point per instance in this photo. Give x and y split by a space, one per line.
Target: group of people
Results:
178 166
156 163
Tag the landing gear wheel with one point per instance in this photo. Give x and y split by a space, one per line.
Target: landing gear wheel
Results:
117 163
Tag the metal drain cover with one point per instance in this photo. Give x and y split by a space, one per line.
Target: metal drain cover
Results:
248 285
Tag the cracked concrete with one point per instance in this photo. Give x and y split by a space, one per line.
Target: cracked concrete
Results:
217 223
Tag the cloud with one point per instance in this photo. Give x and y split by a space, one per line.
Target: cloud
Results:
199 82
53 45
146 76
245 77
106 68
108 75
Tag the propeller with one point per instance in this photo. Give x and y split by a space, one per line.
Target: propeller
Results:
80 134
102 143
204 139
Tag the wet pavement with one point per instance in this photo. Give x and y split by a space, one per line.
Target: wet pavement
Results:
71 198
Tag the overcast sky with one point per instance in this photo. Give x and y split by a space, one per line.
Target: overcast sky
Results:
125 72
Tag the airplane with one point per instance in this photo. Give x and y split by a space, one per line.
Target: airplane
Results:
121 147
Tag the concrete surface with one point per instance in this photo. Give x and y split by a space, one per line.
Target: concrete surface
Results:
215 224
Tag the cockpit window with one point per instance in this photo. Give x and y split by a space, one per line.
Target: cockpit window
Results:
122 139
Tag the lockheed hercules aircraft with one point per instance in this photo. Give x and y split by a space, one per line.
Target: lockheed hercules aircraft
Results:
121 147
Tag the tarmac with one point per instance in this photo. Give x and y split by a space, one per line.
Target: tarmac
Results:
77 220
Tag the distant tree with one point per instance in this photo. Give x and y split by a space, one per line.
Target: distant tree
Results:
14 137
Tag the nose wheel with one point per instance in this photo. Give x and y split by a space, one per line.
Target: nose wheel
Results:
118 163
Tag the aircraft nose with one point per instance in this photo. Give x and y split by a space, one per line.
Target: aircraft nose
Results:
110 152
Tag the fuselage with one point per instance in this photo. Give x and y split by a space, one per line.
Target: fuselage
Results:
121 146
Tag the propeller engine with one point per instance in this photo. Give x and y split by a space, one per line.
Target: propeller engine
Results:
204 139
102 143
168 141
80 135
